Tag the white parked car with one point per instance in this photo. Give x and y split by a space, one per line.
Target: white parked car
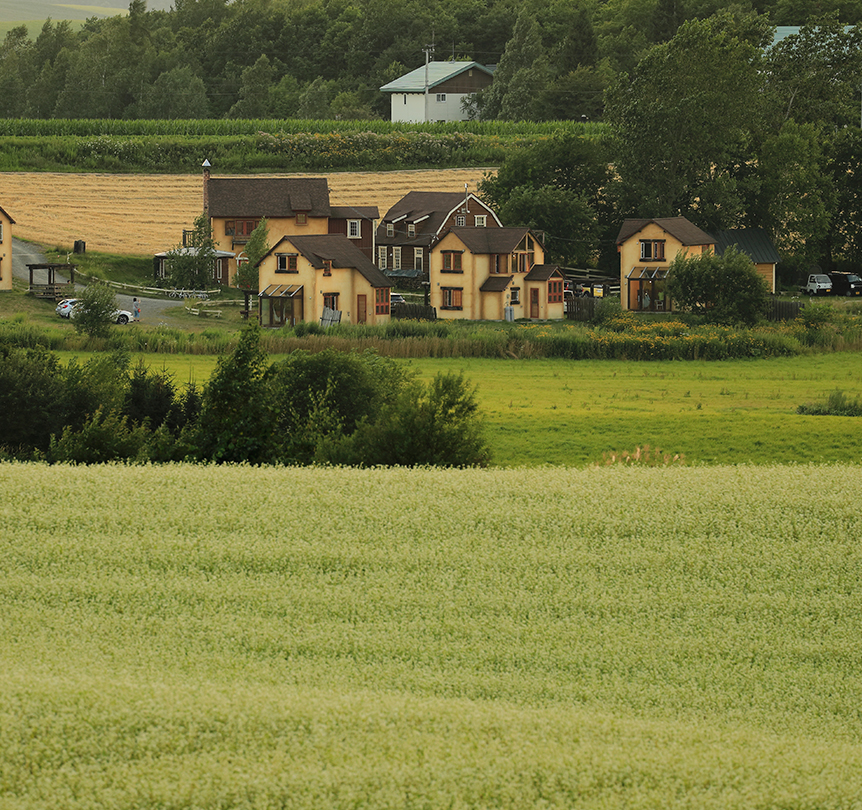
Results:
121 316
64 308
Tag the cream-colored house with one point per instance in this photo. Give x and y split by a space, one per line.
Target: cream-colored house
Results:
646 248
6 223
494 274
291 205
301 275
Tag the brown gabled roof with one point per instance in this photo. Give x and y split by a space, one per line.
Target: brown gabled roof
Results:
495 284
7 216
678 227
543 272
428 211
354 211
491 240
338 249
268 196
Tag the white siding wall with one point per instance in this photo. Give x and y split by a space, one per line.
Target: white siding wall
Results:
414 110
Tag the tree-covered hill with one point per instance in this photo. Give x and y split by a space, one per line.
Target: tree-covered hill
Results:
327 58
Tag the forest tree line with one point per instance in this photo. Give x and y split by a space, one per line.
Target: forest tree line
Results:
328 58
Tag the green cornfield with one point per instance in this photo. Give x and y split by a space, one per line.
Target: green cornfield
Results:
86 127
232 637
244 146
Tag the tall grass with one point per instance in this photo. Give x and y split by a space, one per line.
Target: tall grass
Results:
413 339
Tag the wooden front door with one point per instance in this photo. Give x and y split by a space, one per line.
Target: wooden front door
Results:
361 309
534 302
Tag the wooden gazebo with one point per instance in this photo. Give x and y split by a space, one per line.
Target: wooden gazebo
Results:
54 289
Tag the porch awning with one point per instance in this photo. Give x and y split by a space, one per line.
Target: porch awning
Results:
281 291
648 273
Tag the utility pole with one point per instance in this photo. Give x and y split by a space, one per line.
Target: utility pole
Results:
429 51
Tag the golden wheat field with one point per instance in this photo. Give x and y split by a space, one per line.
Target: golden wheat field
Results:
145 214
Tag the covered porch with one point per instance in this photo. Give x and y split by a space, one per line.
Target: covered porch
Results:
280 305
647 289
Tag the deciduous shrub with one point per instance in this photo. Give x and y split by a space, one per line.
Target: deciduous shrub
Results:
723 289
94 313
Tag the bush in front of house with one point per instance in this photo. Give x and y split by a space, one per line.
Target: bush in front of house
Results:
724 289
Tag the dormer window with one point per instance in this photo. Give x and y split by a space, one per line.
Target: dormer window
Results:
652 250
411 229
390 229
354 229
327 269
301 218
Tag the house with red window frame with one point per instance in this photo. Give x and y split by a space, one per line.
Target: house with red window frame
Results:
494 274
290 205
300 275
648 246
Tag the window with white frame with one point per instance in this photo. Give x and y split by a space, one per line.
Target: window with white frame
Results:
460 220
411 229
652 250
381 257
1 232
481 220
515 296
418 259
354 228
286 263
441 97
390 229
396 258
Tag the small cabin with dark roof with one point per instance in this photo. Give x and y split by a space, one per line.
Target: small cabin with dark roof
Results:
646 248
300 275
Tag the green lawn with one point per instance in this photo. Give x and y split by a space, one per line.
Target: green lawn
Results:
573 413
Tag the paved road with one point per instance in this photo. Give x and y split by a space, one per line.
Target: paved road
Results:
153 310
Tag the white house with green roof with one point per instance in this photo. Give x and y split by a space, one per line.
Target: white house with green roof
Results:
434 92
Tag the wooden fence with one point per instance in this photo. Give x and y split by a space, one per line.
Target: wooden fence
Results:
581 309
784 310
414 312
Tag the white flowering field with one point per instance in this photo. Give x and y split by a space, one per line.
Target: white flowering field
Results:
213 638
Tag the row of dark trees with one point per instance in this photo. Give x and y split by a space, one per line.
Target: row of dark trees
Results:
719 125
329 407
327 58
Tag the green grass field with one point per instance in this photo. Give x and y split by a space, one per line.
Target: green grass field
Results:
572 413
192 637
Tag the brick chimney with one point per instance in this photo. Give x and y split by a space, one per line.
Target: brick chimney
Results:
206 165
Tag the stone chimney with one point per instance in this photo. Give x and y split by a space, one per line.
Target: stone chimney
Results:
206 165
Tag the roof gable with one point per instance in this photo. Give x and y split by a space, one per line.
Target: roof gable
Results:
337 249
437 72
678 227
269 197
429 211
491 240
